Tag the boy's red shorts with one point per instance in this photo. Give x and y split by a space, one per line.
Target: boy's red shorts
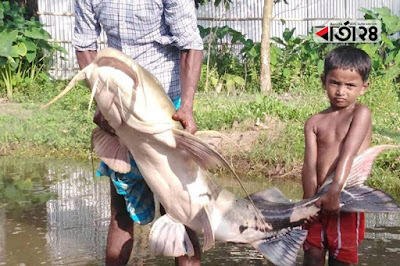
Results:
339 233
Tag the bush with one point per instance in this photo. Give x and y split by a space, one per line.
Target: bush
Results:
24 48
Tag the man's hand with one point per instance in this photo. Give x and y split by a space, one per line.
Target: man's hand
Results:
185 116
330 201
99 119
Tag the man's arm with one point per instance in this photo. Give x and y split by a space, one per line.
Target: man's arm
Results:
85 57
180 16
358 130
190 69
309 171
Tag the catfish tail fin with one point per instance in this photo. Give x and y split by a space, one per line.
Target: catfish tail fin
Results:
282 249
362 165
357 197
361 168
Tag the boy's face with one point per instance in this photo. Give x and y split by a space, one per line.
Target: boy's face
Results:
343 87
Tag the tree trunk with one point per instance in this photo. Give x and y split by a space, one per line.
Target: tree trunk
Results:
31 6
265 79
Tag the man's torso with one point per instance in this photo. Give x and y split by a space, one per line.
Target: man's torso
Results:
138 28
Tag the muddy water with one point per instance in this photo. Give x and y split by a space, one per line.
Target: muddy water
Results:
53 212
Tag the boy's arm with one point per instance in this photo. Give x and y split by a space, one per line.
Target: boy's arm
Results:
309 171
358 130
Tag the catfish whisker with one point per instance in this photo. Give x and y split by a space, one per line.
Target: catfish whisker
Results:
108 89
93 93
120 99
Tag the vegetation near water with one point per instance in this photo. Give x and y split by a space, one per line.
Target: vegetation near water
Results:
228 101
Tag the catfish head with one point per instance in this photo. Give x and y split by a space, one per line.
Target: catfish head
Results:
125 92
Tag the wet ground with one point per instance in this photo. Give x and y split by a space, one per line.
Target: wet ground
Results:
53 212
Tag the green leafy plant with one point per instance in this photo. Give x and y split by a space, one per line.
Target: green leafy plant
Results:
385 55
24 48
226 68
216 3
296 61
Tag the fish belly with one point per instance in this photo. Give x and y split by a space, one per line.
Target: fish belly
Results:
174 178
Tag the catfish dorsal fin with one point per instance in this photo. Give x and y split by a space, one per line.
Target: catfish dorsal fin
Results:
271 195
111 151
202 153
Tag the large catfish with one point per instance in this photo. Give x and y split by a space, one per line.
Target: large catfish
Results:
175 163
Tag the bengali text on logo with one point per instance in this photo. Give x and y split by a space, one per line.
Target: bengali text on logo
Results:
348 31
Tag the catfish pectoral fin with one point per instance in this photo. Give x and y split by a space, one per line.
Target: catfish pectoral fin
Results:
205 156
282 249
111 151
169 238
208 233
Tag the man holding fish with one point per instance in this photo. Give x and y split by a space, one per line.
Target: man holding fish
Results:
163 37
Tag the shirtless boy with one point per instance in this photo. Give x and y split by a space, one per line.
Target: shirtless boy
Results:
333 138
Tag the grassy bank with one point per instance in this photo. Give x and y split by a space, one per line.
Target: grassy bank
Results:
272 124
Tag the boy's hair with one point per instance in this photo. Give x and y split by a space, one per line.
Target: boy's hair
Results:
348 57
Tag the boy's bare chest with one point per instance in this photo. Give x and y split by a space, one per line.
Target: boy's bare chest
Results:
333 128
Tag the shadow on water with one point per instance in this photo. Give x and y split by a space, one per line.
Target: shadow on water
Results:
53 212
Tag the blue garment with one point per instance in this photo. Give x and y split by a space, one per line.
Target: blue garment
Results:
138 196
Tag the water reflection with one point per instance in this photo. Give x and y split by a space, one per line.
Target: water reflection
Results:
67 222
77 220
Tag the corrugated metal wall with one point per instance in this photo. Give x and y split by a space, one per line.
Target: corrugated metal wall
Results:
244 16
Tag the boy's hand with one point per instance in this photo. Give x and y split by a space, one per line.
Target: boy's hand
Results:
185 116
330 201
310 220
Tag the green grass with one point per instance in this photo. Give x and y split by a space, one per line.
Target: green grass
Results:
61 130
